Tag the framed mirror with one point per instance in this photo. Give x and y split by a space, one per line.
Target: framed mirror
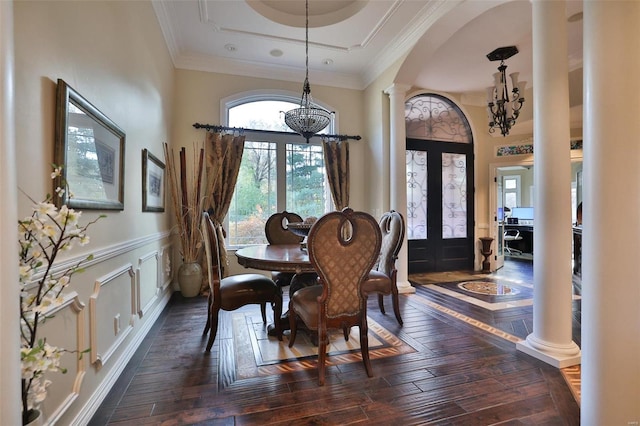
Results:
90 149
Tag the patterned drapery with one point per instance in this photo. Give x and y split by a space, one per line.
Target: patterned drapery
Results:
336 161
223 153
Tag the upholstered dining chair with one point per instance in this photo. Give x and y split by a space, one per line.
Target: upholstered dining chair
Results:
382 278
343 247
235 291
276 231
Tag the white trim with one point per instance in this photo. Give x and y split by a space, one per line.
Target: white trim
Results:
106 253
97 359
72 300
97 397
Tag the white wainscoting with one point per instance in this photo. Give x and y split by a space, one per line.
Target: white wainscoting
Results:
66 387
112 313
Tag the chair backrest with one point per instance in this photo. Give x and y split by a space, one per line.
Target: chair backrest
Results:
343 247
276 228
392 228
512 234
212 254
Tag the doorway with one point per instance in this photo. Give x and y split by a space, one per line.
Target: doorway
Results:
440 206
513 208
440 185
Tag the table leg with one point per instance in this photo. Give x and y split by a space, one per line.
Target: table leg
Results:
298 281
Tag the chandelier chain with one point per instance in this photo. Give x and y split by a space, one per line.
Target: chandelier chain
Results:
307 120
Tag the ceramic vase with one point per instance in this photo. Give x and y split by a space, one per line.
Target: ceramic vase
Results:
35 418
190 279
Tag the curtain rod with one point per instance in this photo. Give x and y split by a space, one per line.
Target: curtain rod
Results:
218 128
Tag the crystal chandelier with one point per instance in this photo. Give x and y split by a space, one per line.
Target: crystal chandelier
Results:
503 110
307 120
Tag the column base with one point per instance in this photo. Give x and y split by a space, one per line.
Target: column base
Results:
405 287
559 356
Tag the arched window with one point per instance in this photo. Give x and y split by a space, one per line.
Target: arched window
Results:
436 118
279 171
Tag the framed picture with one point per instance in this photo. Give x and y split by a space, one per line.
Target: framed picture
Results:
152 183
90 149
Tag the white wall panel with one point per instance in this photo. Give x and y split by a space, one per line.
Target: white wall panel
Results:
112 311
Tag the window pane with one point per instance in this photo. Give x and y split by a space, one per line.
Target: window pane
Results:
261 115
433 117
305 180
454 196
510 184
255 197
416 195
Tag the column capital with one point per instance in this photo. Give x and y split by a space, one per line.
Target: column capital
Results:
397 89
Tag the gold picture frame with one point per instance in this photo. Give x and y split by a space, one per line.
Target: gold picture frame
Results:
91 150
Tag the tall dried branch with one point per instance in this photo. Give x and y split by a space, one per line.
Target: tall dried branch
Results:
187 204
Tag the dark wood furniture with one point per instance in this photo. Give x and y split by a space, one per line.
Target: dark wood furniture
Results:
235 291
382 278
343 247
276 231
279 257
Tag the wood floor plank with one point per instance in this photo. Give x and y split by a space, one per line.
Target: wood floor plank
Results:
456 373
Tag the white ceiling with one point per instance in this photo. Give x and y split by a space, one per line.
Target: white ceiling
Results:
352 41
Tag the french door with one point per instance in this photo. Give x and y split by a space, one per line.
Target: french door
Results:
440 228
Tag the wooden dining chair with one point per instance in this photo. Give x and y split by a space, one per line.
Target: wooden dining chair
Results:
276 231
343 247
383 277
235 291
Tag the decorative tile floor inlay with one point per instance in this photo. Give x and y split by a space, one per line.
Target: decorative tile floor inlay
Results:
258 354
488 287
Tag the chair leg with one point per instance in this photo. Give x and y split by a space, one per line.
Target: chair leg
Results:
381 302
346 331
214 328
364 346
263 311
277 313
322 353
396 306
208 324
293 321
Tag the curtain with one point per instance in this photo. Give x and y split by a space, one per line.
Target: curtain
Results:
336 162
223 154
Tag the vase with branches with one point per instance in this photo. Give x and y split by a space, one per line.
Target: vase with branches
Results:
43 236
188 203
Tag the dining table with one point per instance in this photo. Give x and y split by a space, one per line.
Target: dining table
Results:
275 257
281 258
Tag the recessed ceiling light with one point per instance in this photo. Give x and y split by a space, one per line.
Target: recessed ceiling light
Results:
575 17
327 61
276 53
230 47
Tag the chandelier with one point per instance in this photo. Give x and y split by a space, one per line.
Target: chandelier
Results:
307 120
503 110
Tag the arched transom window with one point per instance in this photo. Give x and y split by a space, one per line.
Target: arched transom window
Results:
434 117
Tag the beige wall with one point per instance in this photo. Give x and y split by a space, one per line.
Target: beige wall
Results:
198 96
114 55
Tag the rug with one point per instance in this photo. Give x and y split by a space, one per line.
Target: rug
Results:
258 354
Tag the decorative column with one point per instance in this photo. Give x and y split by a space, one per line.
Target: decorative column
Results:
551 340
398 174
611 215
9 290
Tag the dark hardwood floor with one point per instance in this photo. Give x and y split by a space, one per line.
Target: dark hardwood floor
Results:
458 374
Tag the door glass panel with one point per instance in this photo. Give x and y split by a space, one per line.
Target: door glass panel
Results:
416 195
454 195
